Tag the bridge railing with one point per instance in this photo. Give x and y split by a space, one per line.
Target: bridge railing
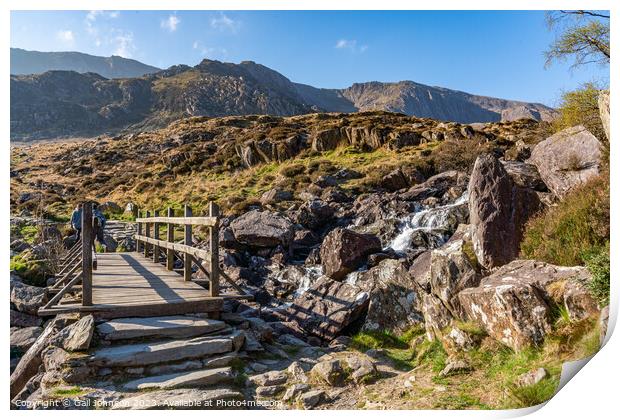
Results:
150 242
76 267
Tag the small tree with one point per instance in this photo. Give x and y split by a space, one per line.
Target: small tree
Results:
582 34
580 107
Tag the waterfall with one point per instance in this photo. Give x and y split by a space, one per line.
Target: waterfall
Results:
430 219
311 273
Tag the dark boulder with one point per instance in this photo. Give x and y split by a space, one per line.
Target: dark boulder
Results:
262 229
498 211
344 250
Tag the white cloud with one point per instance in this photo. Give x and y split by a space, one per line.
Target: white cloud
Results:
224 23
124 44
351 45
171 23
65 36
93 14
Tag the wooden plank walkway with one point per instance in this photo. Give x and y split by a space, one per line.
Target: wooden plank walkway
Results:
128 284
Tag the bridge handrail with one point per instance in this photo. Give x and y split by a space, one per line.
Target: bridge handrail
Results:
189 253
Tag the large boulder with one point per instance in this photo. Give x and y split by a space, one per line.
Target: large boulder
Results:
603 107
26 298
325 140
22 320
328 307
262 229
524 175
567 159
344 250
77 336
22 338
498 211
452 270
436 316
395 298
513 303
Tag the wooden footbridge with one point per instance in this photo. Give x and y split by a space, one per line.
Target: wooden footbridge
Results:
145 282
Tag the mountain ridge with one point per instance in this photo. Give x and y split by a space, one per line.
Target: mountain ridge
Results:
24 62
43 107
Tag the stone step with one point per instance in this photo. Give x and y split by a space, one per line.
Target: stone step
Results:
161 352
157 327
197 378
180 399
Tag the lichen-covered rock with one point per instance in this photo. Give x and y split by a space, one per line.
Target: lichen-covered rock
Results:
525 175
27 298
22 338
22 320
363 370
436 316
457 340
274 377
327 307
395 302
455 367
275 196
567 159
452 271
262 229
344 250
532 377
77 336
330 372
512 304
311 399
498 211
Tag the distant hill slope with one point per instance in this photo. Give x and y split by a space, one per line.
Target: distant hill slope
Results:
67 103
33 62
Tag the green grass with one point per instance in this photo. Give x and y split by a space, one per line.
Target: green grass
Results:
598 264
29 233
535 394
68 392
396 348
31 271
568 233
460 401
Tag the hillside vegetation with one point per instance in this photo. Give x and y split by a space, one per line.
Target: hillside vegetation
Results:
233 160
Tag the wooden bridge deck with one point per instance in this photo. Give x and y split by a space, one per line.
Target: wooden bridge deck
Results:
128 284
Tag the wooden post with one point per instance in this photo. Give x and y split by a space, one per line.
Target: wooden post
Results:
170 238
87 254
187 258
214 285
156 236
147 233
138 230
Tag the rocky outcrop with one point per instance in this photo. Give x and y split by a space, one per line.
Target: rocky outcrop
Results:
567 159
498 211
513 303
22 338
524 175
452 270
395 298
262 229
77 336
344 250
26 298
603 107
327 307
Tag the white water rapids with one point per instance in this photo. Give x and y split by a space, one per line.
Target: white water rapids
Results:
425 219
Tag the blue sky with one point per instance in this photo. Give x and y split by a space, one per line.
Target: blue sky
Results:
495 53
